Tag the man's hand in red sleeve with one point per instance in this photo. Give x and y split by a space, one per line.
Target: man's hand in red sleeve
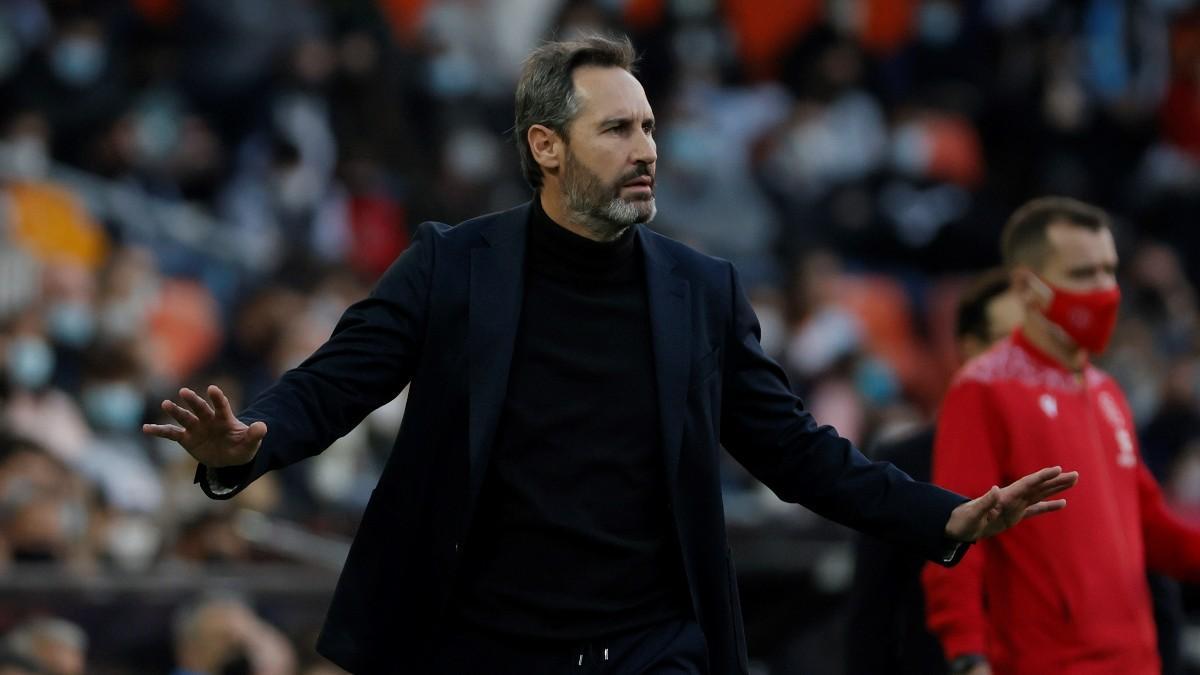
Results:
1001 508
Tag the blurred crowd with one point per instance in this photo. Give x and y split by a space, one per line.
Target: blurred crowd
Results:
191 191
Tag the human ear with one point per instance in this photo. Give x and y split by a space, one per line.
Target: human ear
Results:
1033 292
546 146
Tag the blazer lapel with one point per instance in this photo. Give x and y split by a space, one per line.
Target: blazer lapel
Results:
497 284
670 325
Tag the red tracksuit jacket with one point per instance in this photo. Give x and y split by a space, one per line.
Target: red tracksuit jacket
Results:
1064 593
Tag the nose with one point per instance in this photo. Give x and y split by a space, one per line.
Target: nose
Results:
645 151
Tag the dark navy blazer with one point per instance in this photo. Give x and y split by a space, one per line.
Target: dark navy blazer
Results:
442 321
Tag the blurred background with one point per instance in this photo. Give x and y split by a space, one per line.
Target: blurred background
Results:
191 191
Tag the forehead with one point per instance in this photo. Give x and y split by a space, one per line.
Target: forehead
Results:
1073 246
606 93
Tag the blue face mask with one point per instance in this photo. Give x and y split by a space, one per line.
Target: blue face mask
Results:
939 23
30 362
71 323
876 382
114 406
79 61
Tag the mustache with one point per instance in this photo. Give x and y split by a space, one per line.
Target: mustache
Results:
642 169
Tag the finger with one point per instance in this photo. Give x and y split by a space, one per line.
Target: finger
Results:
167 431
981 507
220 402
1028 489
1037 478
990 500
257 431
1067 478
1045 507
1053 486
181 415
197 404
1063 482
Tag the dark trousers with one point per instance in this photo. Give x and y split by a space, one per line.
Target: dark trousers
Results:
671 648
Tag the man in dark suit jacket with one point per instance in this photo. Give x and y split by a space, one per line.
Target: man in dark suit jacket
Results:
552 502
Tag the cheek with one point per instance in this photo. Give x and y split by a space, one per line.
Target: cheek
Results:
608 159
1030 300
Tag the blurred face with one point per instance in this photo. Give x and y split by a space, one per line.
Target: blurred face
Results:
605 167
1075 291
1080 260
1004 313
43 515
60 658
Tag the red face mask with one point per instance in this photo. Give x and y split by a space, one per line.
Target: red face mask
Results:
1088 318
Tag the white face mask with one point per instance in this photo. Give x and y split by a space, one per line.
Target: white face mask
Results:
71 323
114 406
297 189
79 61
472 155
939 22
24 158
133 541
30 362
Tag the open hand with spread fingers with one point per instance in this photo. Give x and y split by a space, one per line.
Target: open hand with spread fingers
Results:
208 430
1001 508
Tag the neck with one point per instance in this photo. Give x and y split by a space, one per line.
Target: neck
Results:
555 206
1048 338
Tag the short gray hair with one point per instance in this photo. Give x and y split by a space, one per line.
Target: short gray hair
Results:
546 90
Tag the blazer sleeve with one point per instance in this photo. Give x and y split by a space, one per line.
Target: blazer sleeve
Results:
368 360
766 428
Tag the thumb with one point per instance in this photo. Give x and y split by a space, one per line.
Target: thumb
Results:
256 432
989 501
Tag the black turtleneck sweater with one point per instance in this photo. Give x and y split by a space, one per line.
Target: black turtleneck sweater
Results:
572 539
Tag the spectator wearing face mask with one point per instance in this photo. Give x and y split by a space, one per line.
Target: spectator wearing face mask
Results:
43 517
34 407
114 401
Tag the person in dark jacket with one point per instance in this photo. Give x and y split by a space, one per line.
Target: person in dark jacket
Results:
552 503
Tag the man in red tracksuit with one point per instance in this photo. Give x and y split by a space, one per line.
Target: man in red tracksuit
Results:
1067 597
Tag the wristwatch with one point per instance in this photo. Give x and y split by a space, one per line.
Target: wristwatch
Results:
965 663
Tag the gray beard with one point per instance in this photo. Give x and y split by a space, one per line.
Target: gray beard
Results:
598 207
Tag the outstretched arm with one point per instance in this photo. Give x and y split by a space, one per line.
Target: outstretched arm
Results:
766 428
367 361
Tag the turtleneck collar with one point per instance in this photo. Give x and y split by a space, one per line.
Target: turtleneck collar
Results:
556 250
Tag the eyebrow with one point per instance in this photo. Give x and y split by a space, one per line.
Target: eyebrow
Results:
618 121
